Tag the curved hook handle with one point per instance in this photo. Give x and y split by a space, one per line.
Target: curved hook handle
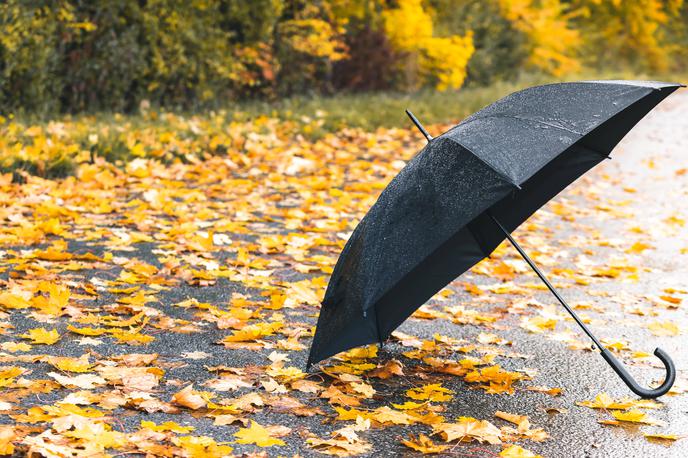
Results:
633 385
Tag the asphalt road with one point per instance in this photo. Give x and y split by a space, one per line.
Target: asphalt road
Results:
640 187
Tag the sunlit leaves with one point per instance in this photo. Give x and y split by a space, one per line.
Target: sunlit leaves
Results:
468 429
42 336
345 441
258 435
189 398
434 392
226 259
634 416
663 328
424 445
604 401
494 379
516 451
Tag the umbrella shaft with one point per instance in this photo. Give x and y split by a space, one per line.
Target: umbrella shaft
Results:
549 285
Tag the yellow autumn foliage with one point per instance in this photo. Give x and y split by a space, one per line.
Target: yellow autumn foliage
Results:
633 28
553 42
441 60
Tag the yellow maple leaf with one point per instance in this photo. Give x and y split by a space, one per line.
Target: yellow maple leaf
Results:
131 337
538 324
433 392
7 436
167 426
258 435
14 347
201 447
516 451
467 429
8 374
664 328
661 437
87 331
494 379
635 416
638 247
385 415
14 301
671 299
424 445
604 401
253 332
68 364
57 300
42 336
521 421
409 405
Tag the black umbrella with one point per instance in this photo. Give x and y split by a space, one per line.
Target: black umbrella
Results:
457 200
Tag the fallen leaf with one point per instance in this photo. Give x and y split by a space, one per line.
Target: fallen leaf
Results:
189 398
258 435
424 445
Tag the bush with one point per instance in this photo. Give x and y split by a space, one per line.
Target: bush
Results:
81 55
84 55
499 46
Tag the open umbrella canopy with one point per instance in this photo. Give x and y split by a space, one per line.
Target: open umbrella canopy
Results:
458 199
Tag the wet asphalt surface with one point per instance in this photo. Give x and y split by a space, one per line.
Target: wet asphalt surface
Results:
661 138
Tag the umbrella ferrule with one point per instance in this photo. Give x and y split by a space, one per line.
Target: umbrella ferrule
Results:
420 127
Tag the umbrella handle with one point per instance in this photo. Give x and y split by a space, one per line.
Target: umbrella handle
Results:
630 381
606 354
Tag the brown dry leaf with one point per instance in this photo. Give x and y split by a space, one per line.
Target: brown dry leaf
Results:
306 386
336 396
545 389
229 419
521 421
392 368
83 381
344 442
189 398
467 429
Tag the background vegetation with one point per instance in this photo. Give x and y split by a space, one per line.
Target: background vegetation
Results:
60 56
177 79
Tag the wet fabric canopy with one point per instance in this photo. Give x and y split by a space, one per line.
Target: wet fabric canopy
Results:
432 222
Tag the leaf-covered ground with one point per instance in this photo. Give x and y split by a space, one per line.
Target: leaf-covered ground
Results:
167 310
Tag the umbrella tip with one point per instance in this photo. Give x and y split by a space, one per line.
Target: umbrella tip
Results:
420 127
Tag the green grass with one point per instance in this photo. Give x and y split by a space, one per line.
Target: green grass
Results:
311 117
386 109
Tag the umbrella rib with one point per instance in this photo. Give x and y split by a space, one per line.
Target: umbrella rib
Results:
493 168
537 121
576 143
